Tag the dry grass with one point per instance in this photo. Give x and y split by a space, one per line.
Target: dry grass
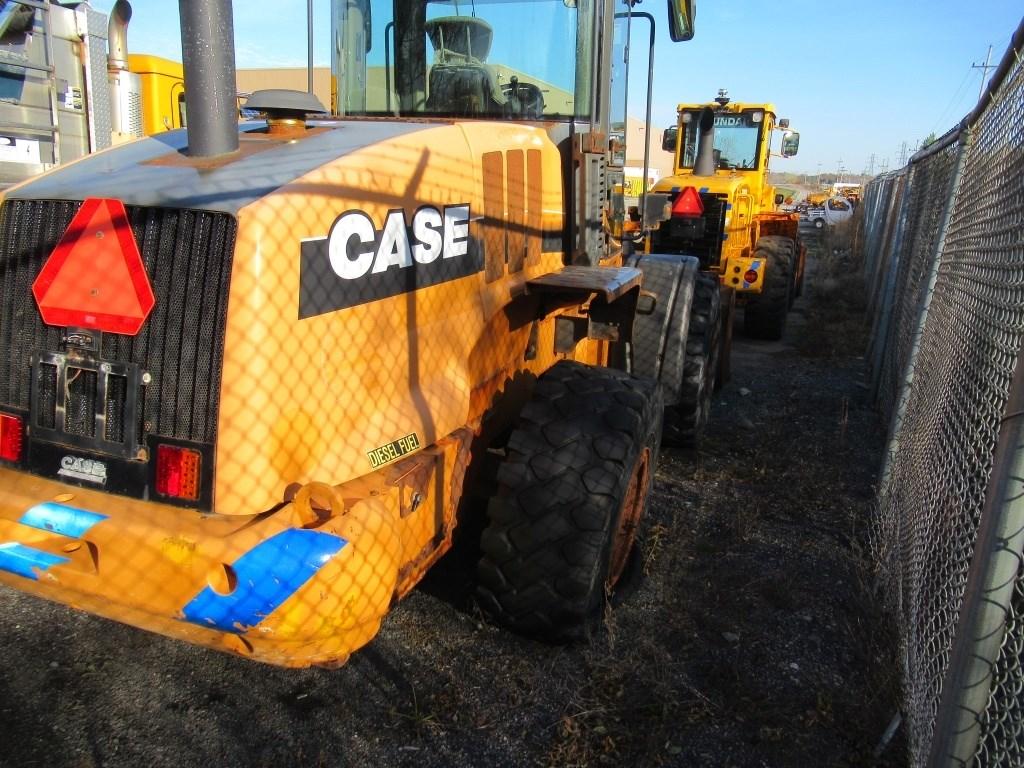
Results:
836 322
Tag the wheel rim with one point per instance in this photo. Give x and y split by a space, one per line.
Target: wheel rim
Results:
629 518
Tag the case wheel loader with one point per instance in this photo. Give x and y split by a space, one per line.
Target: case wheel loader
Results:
252 375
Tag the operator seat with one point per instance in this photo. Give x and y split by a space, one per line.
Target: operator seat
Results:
460 82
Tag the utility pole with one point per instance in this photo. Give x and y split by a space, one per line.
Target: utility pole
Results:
871 165
903 154
984 71
839 171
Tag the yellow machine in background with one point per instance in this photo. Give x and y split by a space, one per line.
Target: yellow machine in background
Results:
162 91
725 212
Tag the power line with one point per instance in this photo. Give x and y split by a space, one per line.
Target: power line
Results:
953 101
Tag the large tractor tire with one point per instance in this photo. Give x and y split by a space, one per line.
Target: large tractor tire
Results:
765 314
685 421
572 489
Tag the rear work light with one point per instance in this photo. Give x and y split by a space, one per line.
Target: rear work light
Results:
178 472
10 437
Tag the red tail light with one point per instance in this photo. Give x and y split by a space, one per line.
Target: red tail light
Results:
750 276
688 203
10 437
177 472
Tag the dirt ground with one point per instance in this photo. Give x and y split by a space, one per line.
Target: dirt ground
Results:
752 641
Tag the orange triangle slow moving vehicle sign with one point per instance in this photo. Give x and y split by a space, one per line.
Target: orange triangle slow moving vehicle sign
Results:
688 203
95 277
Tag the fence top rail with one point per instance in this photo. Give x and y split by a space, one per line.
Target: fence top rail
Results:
1010 57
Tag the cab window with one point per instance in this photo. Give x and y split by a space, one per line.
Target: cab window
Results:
515 59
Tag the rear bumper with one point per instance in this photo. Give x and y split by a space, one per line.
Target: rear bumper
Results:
294 587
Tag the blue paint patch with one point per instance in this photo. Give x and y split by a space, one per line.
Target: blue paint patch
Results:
21 560
725 236
703 190
728 206
755 265
268 574
62 519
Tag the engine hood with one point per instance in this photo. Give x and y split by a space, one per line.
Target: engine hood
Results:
155 172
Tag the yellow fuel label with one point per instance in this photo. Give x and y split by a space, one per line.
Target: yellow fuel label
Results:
394 450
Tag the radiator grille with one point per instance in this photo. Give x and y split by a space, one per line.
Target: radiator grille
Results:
187 255
708 247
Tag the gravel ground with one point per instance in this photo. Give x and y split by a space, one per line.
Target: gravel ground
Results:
752 641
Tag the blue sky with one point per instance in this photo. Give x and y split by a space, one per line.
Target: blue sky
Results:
856 78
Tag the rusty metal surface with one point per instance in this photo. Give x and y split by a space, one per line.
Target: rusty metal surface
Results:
612 282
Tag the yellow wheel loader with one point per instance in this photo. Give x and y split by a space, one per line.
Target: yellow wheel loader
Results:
253 376
725 212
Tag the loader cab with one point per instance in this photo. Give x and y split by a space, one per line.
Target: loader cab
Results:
490 59
558 64
511 59
740 139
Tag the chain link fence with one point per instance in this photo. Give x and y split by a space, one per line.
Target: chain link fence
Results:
943 249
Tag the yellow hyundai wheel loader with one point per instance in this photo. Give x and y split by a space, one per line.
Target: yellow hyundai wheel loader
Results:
725 212
250 374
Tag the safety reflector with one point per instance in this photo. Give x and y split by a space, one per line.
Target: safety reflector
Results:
750 276
688 203
177 472
95 277
10 437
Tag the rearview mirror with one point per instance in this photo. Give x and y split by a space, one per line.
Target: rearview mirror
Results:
790 143
668 139
680 19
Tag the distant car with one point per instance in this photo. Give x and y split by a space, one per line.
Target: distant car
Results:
834 211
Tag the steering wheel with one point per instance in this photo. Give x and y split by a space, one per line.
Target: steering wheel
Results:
523 99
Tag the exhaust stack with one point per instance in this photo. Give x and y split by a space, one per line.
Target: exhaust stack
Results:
704 164
117 36
125 87
208 56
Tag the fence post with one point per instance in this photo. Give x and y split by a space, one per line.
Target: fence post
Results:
995 565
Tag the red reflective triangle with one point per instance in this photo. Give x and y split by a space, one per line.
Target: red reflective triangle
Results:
95 277
688 203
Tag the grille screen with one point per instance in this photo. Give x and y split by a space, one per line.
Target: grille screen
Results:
708 247
188 259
